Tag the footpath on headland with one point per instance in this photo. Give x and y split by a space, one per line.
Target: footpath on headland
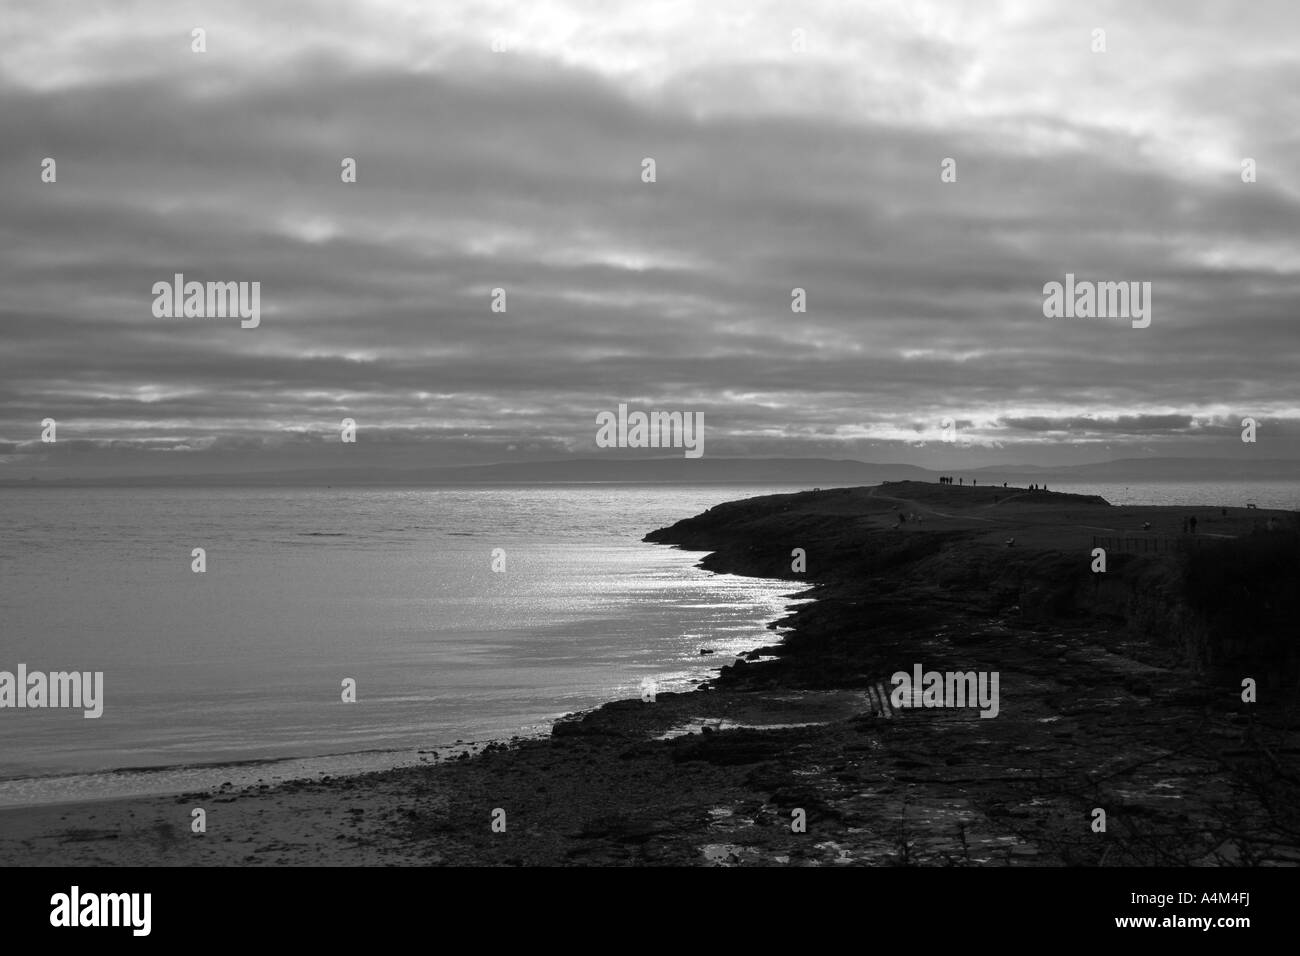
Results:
1122 732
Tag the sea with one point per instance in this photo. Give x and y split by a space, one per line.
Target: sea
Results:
455 616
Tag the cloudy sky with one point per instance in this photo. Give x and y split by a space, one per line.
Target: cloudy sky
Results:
795 145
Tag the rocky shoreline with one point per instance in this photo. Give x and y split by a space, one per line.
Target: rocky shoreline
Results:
1119 691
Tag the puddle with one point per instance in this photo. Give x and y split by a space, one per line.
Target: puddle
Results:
698 725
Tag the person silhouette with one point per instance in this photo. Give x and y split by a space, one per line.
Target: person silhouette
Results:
1192 522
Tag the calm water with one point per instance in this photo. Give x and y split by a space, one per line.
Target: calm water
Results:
305 587
1229 494
390 587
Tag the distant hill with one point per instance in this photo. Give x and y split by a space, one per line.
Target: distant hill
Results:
1157 469
683 470
676 470
756 471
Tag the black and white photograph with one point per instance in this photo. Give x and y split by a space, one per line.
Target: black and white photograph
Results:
461 435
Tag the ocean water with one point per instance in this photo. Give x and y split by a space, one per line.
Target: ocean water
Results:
1225 494
393 588
235 674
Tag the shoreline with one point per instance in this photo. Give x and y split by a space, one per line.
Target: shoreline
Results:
1093 713
383 760
336 765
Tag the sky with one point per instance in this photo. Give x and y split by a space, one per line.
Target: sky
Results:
502 146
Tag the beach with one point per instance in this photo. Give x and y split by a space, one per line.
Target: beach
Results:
1117 691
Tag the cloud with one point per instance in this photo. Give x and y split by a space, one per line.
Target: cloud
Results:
521 170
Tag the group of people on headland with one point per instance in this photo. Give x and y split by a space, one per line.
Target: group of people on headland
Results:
948 480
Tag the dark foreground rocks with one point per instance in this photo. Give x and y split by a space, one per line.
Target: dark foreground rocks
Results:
1106 704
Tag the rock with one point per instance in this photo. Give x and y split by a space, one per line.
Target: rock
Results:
730 749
